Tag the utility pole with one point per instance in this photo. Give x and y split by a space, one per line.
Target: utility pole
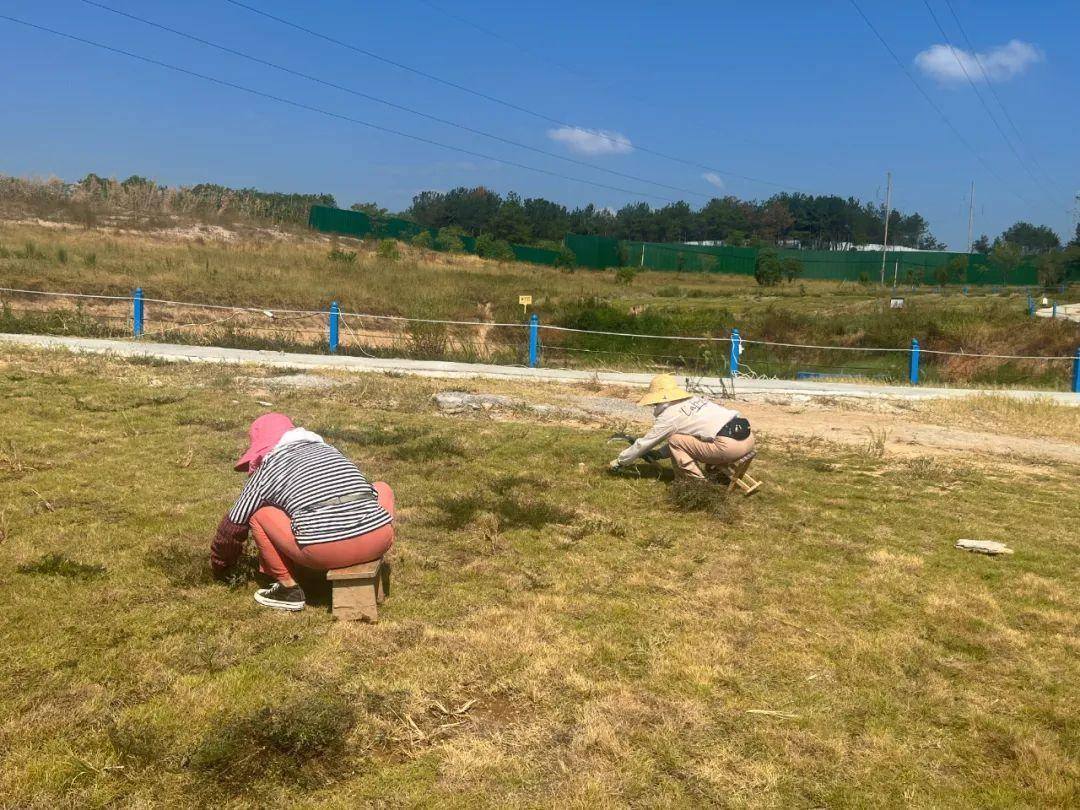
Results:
888 207
971 214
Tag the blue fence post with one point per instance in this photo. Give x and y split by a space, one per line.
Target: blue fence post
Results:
914 371
736 350
1031 305
965 290
137 312
534 339
335 314
1076 372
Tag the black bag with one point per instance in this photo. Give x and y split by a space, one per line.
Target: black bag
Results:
737 429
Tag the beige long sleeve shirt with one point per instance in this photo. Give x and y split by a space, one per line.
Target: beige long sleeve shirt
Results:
697 416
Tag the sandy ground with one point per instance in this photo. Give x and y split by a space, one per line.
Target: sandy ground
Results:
183 231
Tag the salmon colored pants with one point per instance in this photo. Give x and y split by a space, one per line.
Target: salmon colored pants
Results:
688 451
280 554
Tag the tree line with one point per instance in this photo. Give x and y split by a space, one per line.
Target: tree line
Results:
822 222
1038 244
799 220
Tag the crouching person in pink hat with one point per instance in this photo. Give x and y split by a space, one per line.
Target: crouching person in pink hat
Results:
306 505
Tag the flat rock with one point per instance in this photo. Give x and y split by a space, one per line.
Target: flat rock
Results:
461 401
991 547
608 406
301 381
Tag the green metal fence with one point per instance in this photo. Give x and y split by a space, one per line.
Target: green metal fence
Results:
903 267
528 253
361 225
595 252
600 252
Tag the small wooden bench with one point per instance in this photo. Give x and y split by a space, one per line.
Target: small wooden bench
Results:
738 477
359 590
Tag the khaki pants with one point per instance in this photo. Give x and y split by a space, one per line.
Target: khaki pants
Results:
688 451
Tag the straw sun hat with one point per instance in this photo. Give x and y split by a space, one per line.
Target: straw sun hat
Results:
664 388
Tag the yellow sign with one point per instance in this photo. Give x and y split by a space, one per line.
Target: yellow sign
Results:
524 300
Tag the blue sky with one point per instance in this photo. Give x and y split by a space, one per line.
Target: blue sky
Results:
799 94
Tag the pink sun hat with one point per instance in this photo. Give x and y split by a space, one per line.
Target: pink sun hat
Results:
264 433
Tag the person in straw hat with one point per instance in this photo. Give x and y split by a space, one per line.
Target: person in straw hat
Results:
306 506
697 431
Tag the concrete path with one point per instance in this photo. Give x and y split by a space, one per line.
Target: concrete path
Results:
438 368
1069 312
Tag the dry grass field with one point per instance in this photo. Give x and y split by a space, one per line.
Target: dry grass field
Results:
555 636
261 267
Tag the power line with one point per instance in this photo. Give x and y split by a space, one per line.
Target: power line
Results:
495 100
311 108
985 106
603 85
517 46
394 105
931 102
994 92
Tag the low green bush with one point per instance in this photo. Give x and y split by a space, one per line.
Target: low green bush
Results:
488 247
388 249
565 258
449 239
342 256
768 269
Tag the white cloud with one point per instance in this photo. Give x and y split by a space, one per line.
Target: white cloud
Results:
713 179
1000 63
591 141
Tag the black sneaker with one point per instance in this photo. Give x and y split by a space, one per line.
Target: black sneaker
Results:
281 597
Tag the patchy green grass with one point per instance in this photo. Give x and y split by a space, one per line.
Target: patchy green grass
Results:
555 635
56 564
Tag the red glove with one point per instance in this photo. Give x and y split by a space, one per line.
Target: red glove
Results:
228 545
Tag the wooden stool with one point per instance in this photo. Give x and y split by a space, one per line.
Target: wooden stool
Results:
359 590
738 477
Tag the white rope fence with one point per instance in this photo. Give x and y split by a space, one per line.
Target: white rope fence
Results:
271 312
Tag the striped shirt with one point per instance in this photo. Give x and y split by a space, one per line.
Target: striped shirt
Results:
299 479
